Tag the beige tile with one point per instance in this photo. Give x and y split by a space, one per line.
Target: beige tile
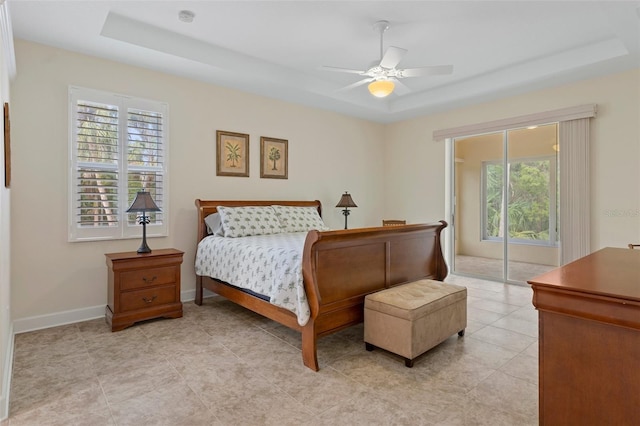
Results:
473 413
223 365
46 381
108 357
175 404
330 386
473 326
74 405
367 408
505 338
131 383
482 316
508 394
493 306
517 324
532 350
480 352
94 328
238 394
523 367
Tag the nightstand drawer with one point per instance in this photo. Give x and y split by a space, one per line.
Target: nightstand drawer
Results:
147 277
142 286
147 298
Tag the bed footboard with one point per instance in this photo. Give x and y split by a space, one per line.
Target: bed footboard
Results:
341 267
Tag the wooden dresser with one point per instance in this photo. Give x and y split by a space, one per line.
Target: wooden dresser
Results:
143 286
589 329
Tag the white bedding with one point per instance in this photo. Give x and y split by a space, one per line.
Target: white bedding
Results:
270 265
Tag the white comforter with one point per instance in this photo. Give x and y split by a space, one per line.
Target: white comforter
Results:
270 265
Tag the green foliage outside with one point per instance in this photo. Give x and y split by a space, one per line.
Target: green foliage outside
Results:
528 200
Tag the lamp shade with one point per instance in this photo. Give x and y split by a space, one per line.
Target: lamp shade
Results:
346 201
381 88
143 203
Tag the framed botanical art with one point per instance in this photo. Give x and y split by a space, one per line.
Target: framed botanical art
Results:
274 158
232 154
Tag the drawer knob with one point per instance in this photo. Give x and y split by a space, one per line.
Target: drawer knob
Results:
147 300
149 280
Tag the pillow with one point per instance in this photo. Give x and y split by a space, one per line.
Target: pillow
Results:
214 224
250 220
299 219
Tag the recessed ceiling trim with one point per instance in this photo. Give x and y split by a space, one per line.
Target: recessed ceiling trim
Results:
520 74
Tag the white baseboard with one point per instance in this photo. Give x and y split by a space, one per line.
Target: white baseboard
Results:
39 322
5 386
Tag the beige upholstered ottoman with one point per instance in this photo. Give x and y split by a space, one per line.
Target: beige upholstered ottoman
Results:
412 318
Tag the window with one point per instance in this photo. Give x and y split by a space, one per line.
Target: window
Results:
531 200
118 146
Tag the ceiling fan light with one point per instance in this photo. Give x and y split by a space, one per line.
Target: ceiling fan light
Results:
381 88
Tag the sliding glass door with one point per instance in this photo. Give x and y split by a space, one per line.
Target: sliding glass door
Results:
505 204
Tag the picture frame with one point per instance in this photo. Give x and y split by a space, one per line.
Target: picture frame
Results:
232 154
7 147
274 158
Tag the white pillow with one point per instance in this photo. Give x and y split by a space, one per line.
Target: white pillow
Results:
299 219
214 224
250 220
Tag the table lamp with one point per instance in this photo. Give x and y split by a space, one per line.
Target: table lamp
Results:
143 203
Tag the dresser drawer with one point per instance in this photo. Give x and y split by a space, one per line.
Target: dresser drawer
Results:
140 299
147 277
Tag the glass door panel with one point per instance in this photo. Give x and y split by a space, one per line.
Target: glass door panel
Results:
531 208
478 197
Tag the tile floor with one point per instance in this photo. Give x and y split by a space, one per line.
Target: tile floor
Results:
223 365
492 268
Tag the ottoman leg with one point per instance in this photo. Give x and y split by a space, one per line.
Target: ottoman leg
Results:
461 333
408 363
369 346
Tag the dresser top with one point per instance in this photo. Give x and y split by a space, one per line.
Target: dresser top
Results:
613 272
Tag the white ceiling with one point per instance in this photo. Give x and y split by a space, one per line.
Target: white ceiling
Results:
277 48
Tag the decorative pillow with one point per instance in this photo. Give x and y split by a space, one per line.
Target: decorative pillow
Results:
250 220
214 224
299 219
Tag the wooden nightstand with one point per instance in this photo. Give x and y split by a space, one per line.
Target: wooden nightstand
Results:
143 286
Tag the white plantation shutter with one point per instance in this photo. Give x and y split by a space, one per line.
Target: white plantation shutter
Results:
145 158
118 147
96 164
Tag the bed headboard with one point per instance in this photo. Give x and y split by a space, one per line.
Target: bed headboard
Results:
206 207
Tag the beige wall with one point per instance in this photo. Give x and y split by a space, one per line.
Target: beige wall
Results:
415 166
328 154
394 171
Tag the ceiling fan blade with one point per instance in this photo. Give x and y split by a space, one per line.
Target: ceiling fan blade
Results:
425 71
400 88
392 57
356 84
338 69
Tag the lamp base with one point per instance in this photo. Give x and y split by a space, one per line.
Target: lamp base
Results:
144 248
345 212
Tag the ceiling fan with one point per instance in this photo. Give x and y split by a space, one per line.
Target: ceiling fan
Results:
383 77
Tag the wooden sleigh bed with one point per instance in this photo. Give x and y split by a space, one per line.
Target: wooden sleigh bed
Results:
339 269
